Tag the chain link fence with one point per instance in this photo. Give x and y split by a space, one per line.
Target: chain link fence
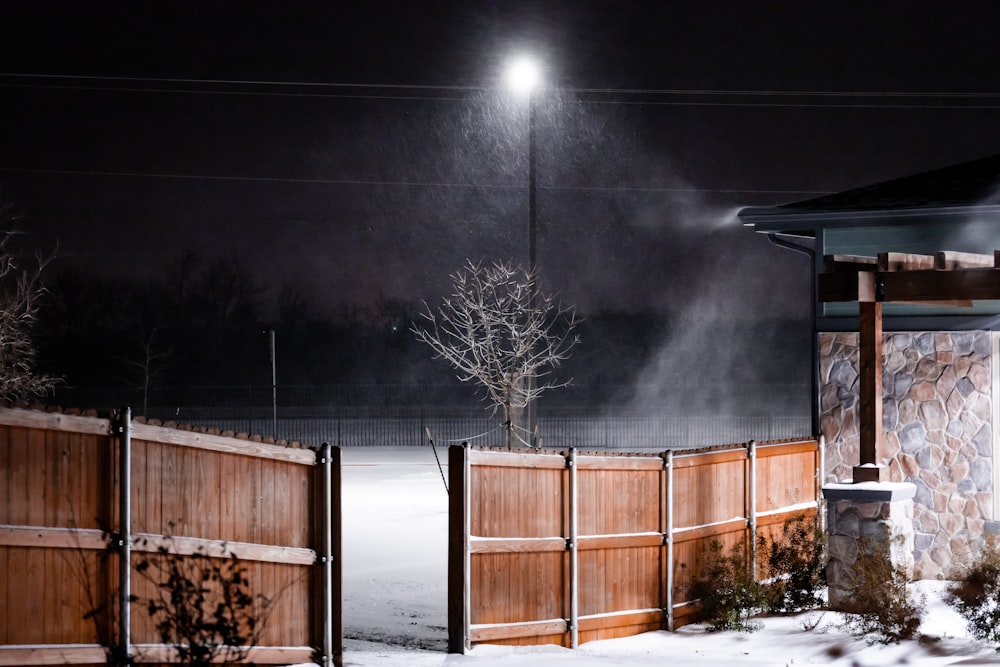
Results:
591 417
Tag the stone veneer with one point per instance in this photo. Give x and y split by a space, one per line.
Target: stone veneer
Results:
864 517
937 418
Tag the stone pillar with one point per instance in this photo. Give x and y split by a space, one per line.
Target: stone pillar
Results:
866 515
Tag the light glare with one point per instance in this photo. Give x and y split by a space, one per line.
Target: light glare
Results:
523 75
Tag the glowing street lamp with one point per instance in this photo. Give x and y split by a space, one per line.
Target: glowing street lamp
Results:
523 77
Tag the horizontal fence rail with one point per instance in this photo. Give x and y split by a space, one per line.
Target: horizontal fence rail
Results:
569 547
88 500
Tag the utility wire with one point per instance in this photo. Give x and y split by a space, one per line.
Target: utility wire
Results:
384 183
396 86
445 93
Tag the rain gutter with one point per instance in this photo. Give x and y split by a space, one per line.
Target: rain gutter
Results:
814 371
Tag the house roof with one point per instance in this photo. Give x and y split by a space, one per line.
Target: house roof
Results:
959 189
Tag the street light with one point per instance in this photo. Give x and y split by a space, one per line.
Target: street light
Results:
524 77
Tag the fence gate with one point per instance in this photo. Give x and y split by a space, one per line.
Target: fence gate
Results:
567 547
84 500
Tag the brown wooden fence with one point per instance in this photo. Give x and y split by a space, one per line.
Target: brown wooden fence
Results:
568 547
76 488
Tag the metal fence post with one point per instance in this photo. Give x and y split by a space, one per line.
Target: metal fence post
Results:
574 554
330 558
123 428
752 504
668 534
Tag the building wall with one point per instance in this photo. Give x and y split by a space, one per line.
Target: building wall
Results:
938 418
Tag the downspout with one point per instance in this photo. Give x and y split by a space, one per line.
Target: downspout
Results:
814 372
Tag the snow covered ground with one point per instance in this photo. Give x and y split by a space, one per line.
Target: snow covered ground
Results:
395 513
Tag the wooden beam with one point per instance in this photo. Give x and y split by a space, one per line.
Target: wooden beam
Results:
57 538
949 260
959 287
923 286
837 287
496 545
868 284
589 462
496 631
848 286
53 654
709 458
903 261
188 546
497 459
218 443
834 263
268 655
620 619
54 421
721 528
623 541
870 381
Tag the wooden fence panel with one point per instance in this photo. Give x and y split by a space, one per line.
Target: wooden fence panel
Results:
191 494
563 548
620 544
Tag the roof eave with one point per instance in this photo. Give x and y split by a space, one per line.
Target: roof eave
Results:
790 221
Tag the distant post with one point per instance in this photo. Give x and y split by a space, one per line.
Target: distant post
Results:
274 390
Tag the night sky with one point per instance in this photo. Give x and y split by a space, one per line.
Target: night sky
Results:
365 150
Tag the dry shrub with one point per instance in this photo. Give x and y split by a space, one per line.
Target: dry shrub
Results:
975 593
729 592
881 609
795 566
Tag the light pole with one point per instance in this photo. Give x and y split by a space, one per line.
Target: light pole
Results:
523 76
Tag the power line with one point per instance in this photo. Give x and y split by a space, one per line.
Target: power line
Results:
398 86
442 93
387 183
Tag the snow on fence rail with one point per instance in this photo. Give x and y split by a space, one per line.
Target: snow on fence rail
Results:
571 547
74 487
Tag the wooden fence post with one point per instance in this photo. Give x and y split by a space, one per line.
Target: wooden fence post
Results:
458 549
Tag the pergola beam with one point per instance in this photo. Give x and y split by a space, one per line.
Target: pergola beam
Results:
953 278
870 389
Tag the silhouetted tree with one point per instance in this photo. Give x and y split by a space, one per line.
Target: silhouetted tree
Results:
498 331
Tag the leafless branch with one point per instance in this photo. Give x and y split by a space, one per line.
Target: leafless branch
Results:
497 330
20 292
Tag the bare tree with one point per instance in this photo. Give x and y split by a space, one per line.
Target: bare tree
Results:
20 292
496 329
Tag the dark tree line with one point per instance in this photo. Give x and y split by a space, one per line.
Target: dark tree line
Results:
206 321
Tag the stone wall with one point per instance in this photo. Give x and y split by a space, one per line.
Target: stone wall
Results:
937 418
